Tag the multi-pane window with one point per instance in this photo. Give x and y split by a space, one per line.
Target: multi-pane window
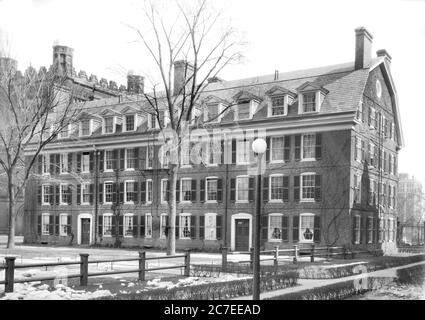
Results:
149 157
359 114
358 150
244 110
213 113
372 118
275 227
308 182
213 150
372 154
107 224
372 192
242 188
45 224
357 231
165 157
185 226
129 191
278 106
153 121
306 227
210 226
392 132
148 226
381 230
109 160
391 229
309 146
85 162
109 125
392 196
357 188
109 190
63 163
64 133
129 122
65 194
243 150
85 127
149 186
164 191
130 158
276 188
163 225
277 149
186 189
46 193
45 164
309 102
370 229
128 225
211 189
63 225
85 193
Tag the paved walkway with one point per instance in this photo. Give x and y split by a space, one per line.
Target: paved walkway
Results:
305 284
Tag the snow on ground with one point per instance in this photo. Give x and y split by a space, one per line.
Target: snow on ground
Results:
30 291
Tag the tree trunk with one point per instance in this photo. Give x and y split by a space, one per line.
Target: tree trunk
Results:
171 237
12 216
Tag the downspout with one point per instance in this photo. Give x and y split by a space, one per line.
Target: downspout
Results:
96 191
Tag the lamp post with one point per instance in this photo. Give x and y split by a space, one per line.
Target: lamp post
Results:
259 146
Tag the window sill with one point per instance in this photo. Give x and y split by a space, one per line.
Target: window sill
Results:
277 161
307 200
305 241
274 240
148 237
185 238
129 169
211 201
186 202
242 201
107 236
210 239
63 204
275 201
46 204
128 202
308 159
107 170
129 236
85 204
212 165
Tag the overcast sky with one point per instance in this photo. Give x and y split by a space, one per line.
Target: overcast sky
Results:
283 35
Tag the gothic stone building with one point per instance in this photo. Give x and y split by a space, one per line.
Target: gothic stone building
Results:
333 136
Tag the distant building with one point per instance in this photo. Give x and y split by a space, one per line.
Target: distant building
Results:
333 136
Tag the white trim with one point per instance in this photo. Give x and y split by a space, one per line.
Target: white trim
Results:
184 214
82 193
80 217
206 189
82 161
301 186
125 191
104 191
105 160
147 191
148 214
236 189
269 238
63 158
270 105
163 201
161 226
60 224
210 214
181 190
126 215
45 214
233 229
114 122
271 149
103 224
302 146
42 194
124 125
125 159
61 203
246 142
357 216
270 187
300 236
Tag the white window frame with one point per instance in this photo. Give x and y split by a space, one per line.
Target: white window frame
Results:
85 186
237 189
219 110
66 129
302 146
271 150
61 233
43 194
134 115
214 228
358 187
373 119
125 191
185 146
63 159
206 189
104 191
148 236
357 228
149 189
236 111
247 150
126 158
149 118
209 144
181 190
104 225
43 232
61 186
370 229
128 215
275 175
90 128
45 164
301 237
149 147
105 160
163 190
301 186
316 101
358 147
285 106
359 112
269 231
114 122
82 163
162 227
181 215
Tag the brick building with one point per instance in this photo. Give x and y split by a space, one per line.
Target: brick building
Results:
333 136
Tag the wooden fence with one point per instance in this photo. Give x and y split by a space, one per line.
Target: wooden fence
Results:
10 267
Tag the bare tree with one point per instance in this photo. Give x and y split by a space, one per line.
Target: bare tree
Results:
35 108
205 46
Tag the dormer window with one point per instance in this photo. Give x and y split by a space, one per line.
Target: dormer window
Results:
278 106
280 98
309 102
247 105
109 126
213 108
130 122
212 114
243 110
85 127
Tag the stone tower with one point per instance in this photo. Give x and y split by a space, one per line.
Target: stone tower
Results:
62 59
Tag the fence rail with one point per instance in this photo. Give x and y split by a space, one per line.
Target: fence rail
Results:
10 267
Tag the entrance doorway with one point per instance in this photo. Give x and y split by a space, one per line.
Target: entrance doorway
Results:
241 234
85 231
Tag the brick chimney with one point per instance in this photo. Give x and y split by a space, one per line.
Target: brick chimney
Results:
385 54
135 84
363 48
182 71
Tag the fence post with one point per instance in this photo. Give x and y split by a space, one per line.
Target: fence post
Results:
142 265
224 259
295 254
312 253
187 263
9 274
84 269
251 258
